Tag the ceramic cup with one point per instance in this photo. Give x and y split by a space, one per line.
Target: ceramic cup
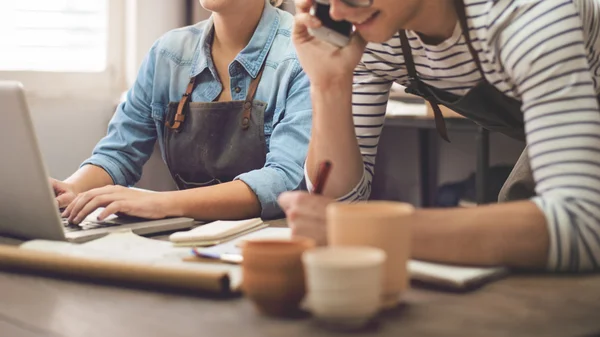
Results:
273 274
379 224
344 284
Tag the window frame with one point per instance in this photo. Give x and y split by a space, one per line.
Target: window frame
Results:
108 84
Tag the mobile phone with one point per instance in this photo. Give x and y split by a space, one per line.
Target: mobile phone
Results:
335 32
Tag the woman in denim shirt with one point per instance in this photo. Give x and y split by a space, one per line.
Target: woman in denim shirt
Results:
230 106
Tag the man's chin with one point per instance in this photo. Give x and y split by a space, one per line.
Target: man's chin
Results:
376 36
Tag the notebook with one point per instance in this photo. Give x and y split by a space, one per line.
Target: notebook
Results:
215 232
446 276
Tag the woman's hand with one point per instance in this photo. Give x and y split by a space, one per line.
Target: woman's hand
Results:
305 214
119 200
65 193
324 63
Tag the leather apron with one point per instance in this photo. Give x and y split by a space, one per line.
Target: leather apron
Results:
210 143
485 105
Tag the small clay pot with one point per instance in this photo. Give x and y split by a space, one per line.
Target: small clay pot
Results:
273 274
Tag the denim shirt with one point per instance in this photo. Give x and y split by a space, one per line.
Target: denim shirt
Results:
163 77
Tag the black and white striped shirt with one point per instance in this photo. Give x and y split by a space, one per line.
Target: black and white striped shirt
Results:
546 54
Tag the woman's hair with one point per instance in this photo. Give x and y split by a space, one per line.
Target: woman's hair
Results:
276 3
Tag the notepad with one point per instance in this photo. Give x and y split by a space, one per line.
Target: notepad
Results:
231 251
453 277
445 276
215 232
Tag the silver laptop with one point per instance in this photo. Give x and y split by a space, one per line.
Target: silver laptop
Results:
27 203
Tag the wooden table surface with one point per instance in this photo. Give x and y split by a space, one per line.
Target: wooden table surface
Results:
516 306
520 305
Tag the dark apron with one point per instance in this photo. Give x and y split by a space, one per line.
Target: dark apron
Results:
210 143
485 105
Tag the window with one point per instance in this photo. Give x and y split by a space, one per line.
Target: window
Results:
62 47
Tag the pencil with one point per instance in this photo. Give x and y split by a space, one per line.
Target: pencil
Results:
322 175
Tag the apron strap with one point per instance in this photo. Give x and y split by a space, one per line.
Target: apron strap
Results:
408 56
462 19
185 99
440 123
250 98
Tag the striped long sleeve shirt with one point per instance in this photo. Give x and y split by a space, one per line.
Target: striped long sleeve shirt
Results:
544 53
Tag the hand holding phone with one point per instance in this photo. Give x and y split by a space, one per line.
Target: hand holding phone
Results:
335 32
321 55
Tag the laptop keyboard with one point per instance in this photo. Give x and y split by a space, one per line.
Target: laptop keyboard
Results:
87 225
90 222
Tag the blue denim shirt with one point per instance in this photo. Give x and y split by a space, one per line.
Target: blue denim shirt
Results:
183 53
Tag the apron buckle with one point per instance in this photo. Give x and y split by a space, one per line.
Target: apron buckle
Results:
178 120
245 123
180 116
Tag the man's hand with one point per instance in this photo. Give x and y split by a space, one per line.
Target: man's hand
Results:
323 62
119 200
65 193
306 214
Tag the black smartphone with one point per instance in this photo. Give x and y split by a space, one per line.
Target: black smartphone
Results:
335 32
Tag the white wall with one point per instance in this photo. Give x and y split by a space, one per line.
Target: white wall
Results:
146 21
67 130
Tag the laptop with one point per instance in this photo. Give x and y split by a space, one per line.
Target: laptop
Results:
28 209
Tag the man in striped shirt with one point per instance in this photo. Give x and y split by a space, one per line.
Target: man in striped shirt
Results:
527 68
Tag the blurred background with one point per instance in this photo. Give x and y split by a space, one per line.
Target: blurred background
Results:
76 58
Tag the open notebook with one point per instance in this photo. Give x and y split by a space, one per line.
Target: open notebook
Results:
446 276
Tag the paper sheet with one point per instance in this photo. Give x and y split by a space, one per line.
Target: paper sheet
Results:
129 247
400 108
233 247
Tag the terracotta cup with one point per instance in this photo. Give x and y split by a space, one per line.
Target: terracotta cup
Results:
380 224
273 274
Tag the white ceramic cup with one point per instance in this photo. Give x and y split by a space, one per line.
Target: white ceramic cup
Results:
344 284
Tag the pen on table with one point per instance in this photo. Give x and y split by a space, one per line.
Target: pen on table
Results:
322 174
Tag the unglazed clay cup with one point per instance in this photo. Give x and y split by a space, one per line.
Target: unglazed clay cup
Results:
380 224
273 274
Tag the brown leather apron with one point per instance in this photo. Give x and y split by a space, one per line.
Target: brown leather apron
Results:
210 143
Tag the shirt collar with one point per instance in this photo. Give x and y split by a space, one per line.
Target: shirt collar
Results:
252 56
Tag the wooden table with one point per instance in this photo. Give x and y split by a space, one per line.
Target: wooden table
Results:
520 305
517 306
